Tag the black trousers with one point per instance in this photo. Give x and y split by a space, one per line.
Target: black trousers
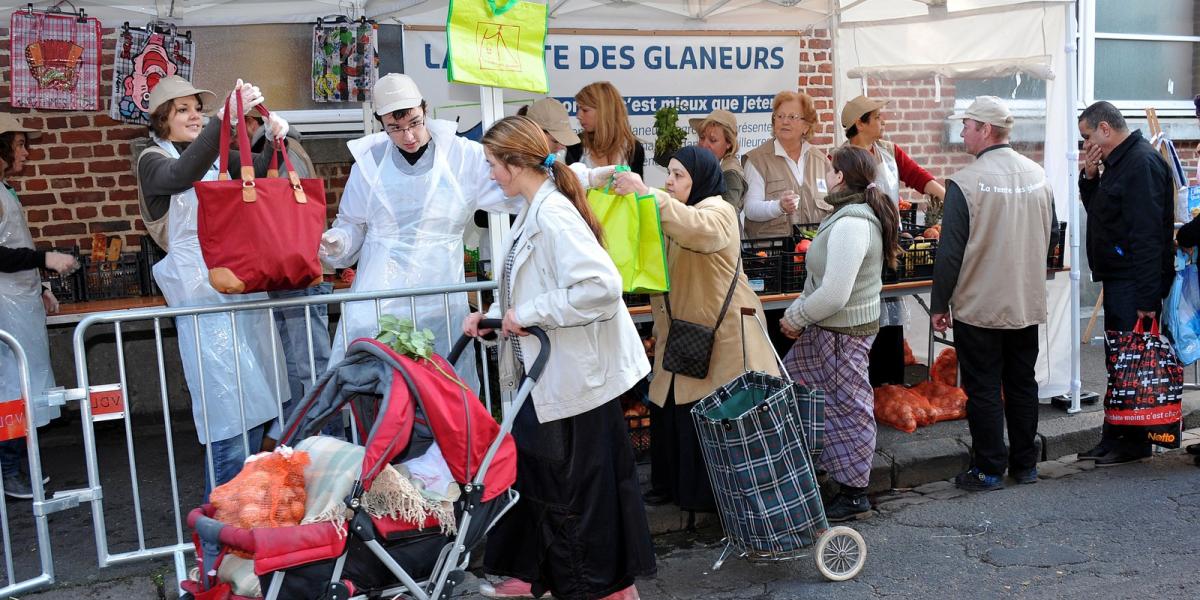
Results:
887 356
993 362
1120 314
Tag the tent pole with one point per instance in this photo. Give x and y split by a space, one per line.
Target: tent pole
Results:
1072 54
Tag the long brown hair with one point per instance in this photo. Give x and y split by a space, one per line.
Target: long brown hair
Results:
612 137
857 166
519 142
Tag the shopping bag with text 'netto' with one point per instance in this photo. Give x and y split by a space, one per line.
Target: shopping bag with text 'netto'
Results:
497 45
1145 384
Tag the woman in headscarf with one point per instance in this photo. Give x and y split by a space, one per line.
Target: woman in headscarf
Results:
709 288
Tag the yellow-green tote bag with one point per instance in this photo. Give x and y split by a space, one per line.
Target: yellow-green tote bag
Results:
497 45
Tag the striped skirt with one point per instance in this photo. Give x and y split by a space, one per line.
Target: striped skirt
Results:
837 363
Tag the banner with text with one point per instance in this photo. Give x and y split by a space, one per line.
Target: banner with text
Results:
695 74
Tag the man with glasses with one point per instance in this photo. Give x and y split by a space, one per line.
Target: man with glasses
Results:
411 193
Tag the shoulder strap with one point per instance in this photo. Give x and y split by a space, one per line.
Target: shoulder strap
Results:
728 295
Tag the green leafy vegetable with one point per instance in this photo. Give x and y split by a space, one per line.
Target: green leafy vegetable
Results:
404 337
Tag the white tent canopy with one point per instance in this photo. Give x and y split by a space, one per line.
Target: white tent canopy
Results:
885 39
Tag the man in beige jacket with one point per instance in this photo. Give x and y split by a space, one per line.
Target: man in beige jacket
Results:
991 271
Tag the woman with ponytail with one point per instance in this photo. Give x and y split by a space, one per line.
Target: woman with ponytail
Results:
835 322
579 531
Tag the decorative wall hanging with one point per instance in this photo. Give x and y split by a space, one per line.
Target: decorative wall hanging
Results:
55 59
143 57
345 63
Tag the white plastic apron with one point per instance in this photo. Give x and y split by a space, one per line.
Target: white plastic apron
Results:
414 239
183 278
887 178
23 315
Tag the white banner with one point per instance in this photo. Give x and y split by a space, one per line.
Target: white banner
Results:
695 74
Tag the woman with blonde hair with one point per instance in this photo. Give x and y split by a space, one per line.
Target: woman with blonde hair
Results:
718 134
580 530
785 175
607 137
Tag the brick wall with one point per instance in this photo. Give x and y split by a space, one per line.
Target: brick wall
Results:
79 177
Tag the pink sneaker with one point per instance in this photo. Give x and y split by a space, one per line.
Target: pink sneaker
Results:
509 587
629 593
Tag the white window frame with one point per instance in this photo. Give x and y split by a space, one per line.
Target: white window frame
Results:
1087 70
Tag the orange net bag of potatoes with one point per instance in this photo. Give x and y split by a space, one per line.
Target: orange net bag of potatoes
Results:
269 492
945 368
903 409
949 402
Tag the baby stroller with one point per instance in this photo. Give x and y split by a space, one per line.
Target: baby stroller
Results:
401 407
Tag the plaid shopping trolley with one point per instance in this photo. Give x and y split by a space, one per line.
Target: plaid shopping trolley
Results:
759 434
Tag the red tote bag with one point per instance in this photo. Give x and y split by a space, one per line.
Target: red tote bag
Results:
259 235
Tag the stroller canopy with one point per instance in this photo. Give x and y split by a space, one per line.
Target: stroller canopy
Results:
400 405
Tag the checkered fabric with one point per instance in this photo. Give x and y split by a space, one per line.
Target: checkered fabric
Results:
837 363
55 61
140 60
752 435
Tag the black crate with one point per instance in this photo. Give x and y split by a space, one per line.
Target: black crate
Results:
148 255
908 218
639 433
803 230
795 272
1057 251
106 280
66 288
636 299
767 246
916 263
764 273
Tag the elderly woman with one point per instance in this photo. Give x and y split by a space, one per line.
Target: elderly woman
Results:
718 134
708 288
862 118
785 176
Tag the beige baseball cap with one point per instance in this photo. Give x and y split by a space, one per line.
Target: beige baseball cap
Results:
394 92
987 109
551 115
10 123
858 107
170 88
723 117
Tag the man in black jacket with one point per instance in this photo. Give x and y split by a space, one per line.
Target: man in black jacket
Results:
1127 190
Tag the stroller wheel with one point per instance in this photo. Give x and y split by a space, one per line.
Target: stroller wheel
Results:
840 553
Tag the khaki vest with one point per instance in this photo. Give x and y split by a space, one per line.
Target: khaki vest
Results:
158 227
778 178
1002 282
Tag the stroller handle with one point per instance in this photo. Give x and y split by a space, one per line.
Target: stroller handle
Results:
539 364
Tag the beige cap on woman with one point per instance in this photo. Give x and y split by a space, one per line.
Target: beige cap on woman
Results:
170 88
10 123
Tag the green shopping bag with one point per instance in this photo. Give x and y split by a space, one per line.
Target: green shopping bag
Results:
497 46
634 239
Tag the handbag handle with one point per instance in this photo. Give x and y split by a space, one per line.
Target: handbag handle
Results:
753 312
249 193
499 10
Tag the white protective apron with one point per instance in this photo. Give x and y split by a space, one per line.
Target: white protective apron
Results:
183 278
414 239
23 315
887 178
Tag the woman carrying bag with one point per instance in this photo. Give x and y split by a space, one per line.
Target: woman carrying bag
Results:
708 289
835 322
229 397
579 531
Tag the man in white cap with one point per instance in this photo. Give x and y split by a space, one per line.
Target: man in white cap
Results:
412 191
991 272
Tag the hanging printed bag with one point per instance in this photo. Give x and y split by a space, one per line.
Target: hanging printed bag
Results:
345 63
55 61
633 238
143 57
497 45
1145 384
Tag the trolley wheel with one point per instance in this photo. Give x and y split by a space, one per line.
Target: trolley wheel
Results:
840 553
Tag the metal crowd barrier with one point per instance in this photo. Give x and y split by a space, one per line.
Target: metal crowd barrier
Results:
14 587
179 544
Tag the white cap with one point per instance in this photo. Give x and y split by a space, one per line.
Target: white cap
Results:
395 92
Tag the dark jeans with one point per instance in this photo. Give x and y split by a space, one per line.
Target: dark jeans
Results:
1120 314
13 457
997 369
886 364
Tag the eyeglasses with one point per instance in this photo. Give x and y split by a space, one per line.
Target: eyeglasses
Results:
790 117
393 128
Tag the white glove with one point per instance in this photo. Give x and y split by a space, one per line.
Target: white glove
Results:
251 97
599 176
332 244
278 126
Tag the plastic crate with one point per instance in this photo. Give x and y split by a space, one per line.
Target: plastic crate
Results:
639 433
148 255
916 264
636 299
802 230
106 280
66 288
764 273
908 218
795 272
1057 251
